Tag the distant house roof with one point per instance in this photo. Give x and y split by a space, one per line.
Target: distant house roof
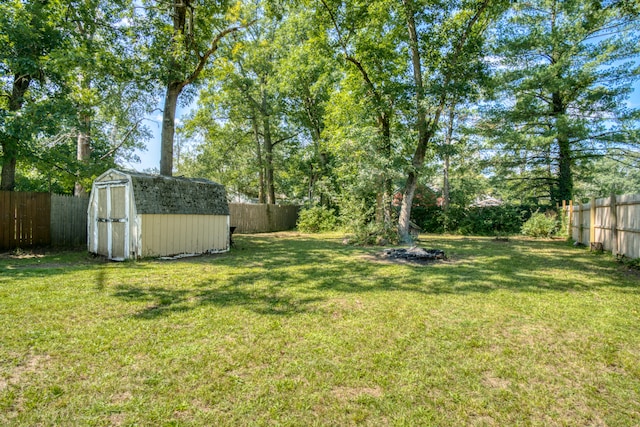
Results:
486 201
156 194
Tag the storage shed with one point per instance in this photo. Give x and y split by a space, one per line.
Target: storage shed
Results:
135 215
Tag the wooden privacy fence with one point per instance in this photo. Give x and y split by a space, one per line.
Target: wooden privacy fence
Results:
42 219
262 218
613 222
68 220
24 219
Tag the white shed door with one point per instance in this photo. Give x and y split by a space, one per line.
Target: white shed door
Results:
112 221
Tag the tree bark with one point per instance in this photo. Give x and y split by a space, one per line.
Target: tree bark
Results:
168 128
446 197
315 127
10 145
268 160
421 125
383 197
83 150
564 189
256 135
8 165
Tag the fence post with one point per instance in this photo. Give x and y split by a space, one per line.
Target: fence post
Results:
592 220
571 219
580 222
564 214
614 225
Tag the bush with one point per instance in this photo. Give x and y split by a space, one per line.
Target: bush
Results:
374 234
493 220
317 219
541 225
478 221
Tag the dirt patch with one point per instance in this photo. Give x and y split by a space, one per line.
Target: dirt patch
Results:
353 393
21 255
495 382
379 257
117 419
33 364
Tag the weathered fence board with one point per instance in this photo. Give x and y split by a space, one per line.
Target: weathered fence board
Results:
24 219
612 221
39 219
68 220
262 218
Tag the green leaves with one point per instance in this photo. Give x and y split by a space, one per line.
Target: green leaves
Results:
565 78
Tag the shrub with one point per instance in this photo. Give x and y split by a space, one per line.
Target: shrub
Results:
374 234
483 221
317 219
541 225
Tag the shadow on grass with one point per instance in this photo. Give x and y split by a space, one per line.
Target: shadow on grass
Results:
292 276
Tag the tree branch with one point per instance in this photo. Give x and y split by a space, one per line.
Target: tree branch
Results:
285 138
124 139
202 59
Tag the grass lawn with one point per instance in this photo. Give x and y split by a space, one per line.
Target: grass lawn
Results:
296 330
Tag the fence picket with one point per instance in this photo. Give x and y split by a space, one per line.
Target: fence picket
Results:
39 219
262 218
612 221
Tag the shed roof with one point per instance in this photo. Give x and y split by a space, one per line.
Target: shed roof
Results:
156 194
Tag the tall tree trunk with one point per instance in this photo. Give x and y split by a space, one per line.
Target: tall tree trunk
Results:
174 88
168 128
565 176
383 117
268 161
256 135
384 185
448 141
268 146
83 151
83 141
182 10
9 157
421 125
10 145
426 130
315 127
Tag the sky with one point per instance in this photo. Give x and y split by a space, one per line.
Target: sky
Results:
150 159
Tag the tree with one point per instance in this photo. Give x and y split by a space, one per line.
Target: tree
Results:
306 78
610 174
30 31
445 46
365 38
567 72
183 36
110 97
73 103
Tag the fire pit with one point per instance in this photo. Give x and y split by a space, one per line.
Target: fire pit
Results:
414 254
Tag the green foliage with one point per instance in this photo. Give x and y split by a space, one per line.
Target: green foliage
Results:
66 69
631 263
567 71
493 220
541 225
374 233
357 218
480 221
317 219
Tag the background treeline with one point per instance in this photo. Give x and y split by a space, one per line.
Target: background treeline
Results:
382 112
